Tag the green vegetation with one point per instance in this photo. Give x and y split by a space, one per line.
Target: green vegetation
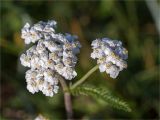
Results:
129 21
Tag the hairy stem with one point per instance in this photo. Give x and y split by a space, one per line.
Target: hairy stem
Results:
67 99
80 81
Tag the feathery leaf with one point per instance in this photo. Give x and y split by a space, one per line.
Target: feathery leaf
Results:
103 94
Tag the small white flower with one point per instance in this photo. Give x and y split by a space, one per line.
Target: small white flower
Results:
30 34
67 53
52 46
50 64
49 76
40 83
54 56
32 87
40 47
68 62
55 89
113 71
31 51
35 62
59 37
110 55
68 73
48 89
38 26
25 60
44 56
97 53
52 23
102 67
59 68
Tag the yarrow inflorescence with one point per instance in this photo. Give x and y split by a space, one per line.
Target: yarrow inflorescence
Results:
53 56
110 54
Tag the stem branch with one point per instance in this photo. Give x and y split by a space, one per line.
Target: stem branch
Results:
80 81
67 95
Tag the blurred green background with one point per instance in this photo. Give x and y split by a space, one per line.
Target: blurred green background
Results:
130 21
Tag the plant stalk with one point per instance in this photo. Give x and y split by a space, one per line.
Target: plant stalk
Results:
67 99
80 81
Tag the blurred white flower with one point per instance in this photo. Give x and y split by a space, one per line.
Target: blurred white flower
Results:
25 60
110 55
53 55
40 117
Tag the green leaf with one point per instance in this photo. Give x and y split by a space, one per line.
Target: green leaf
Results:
103 94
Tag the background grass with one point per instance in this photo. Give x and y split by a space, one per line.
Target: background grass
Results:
129 21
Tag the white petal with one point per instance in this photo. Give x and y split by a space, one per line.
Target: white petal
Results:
102 67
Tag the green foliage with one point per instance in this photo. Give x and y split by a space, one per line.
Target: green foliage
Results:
103 94
129 20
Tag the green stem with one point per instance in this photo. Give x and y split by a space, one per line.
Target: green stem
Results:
80 81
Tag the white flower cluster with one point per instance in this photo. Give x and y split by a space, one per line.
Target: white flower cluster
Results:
53 56
110 54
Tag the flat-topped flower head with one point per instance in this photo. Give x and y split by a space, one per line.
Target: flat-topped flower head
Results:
110 55
54 54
